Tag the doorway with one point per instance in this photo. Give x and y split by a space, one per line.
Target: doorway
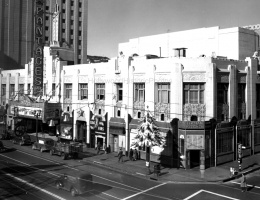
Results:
194 158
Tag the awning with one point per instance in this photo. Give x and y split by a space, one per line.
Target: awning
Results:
163 126
135 123
117 122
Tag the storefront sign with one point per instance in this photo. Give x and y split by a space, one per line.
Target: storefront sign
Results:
98 126
38 47
26 111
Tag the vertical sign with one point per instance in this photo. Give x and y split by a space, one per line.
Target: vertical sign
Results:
38 47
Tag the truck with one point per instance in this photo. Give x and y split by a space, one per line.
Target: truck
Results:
66 150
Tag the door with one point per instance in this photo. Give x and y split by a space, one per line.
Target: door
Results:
100 141
116 144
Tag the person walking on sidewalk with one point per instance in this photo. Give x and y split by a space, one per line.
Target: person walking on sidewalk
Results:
120 155
98 147
135 154
243 183
131 153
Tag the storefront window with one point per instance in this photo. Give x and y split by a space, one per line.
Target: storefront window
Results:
12 89
243 137
21 88
257 135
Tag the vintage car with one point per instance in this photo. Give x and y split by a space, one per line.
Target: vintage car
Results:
43 144
76 185
22 140
2 148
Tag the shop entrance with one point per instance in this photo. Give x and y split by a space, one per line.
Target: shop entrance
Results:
81 131
194 158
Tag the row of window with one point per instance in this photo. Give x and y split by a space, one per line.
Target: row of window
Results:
193 93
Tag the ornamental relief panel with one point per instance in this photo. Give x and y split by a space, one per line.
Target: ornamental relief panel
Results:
83 79
198 110
21 80
12 80
139 106
223 77
68 79
194 77
4 80
241 78
162 108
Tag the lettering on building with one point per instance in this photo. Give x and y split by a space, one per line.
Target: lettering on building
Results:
38 47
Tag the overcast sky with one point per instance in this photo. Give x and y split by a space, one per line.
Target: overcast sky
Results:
111 22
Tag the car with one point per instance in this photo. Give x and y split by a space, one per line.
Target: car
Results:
2 148
43 144
76 185
22 140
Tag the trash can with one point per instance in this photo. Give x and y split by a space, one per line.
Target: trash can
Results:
157 170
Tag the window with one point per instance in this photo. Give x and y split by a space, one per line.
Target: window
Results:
12 89
241 99
71 32
83 91
100 91
45 89
79 33
53 88
29 88
193 93
21 88
243 137
46 18
222 93
3 90
164 93
119 91
63 20
224 142
68 91
80 14
139 92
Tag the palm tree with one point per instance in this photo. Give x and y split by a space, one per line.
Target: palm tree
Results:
148 135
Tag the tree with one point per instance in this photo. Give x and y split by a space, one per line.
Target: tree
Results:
148 135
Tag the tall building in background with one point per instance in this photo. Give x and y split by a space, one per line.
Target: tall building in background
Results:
65 30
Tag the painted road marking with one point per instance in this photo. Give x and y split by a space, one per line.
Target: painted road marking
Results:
145 191
43 190
200 191
247 184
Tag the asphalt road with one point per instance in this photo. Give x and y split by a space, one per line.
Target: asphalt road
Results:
28 174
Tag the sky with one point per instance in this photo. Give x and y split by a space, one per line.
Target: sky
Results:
111 22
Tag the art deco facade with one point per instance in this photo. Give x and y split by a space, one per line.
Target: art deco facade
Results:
194 100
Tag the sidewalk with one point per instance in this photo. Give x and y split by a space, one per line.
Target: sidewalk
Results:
138 168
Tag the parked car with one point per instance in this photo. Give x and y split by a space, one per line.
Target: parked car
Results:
22 140
2 148
43 144
76 185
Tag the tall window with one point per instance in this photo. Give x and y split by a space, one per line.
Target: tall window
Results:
119 91
12 89
139 92
257 100
3 90
29 88
68 91
45 89
83 91
21 88
193 93
241 99
164 93
53 88
100 91
222 93
224 142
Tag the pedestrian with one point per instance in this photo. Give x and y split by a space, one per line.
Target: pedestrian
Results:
131 153
120 155
98 147
135 154
243 184
105 148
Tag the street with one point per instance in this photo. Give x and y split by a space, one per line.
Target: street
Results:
28 174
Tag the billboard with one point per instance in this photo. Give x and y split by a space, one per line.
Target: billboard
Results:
38 47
